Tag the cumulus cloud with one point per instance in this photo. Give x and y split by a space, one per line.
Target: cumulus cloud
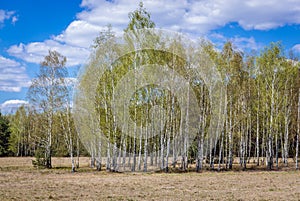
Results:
36 51
11 106
12 75
199 16
79 34
190 16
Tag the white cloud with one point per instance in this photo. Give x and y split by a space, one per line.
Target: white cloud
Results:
12 75
13 103
241 43
199 16
191 16
11 106
244 43
14 19
296 49
36 51
79 34
7 15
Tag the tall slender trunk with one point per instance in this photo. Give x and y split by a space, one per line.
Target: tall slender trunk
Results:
298 131
48 153
169 130
263 151
230 160
162 141
140 147
211 148
249 129
186 130
168 151
249 138
108 165
153 134
202 124
99 155
271 130
124 153
243 146
297 146
281 143
220 150
226 144
182 137
68 134
92 162
174 144
276 149
257 127
286 134
77 151
135 115
146 148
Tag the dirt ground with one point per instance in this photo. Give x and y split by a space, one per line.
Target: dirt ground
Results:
20 181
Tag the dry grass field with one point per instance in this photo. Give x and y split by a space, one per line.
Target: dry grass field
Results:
20 181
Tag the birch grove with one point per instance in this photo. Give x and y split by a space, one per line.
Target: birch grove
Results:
257 116
152 100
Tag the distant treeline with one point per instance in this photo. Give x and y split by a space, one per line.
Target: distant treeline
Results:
22 133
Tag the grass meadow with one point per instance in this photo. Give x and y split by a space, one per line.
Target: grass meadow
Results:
19 180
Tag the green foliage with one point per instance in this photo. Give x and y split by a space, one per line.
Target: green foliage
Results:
104 37
4 135
21 128
139 19
40 160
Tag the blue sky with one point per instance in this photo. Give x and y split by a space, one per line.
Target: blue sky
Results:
29 28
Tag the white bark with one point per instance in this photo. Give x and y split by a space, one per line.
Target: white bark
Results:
298 131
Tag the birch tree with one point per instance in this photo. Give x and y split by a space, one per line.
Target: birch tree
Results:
47 93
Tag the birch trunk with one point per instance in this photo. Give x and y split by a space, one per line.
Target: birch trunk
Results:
286 134
257 127
271 130
78 150
298 131
230 160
